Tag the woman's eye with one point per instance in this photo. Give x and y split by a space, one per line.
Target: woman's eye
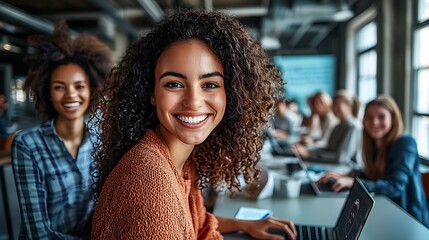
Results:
173 85
57 87
211 85
80 86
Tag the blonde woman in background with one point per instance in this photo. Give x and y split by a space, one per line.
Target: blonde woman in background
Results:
344 141
322 123
390 158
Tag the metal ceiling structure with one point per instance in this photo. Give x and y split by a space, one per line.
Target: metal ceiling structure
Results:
278 24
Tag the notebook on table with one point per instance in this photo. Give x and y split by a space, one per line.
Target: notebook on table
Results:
351 221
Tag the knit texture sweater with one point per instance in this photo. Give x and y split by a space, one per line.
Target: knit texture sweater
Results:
144 197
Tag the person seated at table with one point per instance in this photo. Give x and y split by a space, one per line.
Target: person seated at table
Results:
184 108
391 160
294 114
307 120
7 129
281 124
52 161
344 141
280 130
3 121
323 121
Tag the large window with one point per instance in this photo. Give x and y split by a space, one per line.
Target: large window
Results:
366 41
420 122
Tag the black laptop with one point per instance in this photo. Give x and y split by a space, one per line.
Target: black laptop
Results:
351 221
323 190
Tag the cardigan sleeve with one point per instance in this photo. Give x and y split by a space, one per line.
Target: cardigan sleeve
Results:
140 203
206 224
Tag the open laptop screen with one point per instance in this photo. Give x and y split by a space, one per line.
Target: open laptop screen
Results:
355 212
319 190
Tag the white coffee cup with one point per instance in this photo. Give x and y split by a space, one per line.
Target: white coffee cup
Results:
289 187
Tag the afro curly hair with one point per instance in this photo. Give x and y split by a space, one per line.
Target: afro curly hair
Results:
253 86
86 50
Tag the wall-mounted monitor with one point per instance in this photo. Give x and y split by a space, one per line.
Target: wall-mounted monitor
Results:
306 74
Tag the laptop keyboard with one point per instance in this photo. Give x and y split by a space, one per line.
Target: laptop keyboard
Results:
310 232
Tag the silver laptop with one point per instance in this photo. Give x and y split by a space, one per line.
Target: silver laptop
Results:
320 190
351 221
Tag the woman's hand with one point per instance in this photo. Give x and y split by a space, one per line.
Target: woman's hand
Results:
339 181
259 228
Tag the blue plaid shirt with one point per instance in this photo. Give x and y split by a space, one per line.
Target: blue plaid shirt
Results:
54 190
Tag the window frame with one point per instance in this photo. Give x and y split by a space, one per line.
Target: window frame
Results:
360 53
415 113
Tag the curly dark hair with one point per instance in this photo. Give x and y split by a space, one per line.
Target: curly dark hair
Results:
253 86
86 50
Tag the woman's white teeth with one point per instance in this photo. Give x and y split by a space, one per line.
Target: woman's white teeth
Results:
71 105
192 120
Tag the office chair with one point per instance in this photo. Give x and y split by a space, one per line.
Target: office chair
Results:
425 180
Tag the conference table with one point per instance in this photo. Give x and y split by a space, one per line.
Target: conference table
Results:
386 220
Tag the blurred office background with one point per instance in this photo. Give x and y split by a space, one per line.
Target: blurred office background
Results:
365 46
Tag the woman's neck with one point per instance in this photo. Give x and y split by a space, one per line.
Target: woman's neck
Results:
179 151
69 130
323 114
345 117
72 133
378 143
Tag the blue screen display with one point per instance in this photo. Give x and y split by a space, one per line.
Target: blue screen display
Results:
306 74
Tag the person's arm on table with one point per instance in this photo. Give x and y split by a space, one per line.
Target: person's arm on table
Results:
340 181
257 228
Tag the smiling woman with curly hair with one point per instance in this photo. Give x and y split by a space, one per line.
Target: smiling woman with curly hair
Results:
184 108
52 161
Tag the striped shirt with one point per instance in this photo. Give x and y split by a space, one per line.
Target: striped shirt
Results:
54 190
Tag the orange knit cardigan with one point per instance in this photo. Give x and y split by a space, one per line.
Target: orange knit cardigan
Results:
144 197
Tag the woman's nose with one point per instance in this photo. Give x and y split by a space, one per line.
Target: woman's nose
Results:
193 98
71 92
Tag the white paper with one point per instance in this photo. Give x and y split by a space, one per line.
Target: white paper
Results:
247 213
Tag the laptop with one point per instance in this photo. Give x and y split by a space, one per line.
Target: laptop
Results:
279 147
351 221
320 190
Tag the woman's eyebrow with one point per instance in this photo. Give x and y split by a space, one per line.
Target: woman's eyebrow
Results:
212 74
179 75
174 74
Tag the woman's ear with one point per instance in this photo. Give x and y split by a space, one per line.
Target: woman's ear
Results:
152 100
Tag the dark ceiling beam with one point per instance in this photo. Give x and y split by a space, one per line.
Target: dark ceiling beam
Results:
153 10
113 13
19 17
299 33
315 42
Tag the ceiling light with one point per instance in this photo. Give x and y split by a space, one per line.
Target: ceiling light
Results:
270 43
343 14
7 47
